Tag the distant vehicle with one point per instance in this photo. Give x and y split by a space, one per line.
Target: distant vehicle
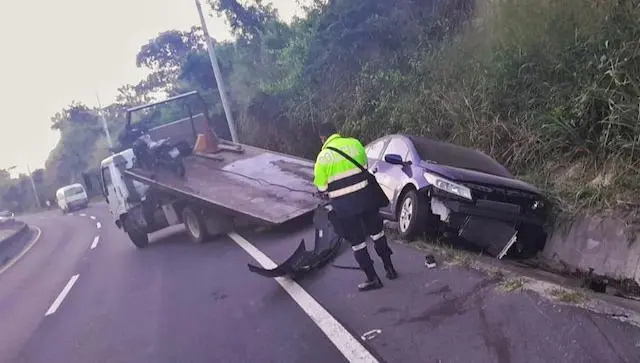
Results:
432 184
72 197
6 216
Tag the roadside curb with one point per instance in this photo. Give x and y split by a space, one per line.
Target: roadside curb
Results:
513 278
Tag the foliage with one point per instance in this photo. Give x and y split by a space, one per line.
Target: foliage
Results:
549 88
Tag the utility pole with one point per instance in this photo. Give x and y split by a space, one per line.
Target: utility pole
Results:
104 124
33 185
218 75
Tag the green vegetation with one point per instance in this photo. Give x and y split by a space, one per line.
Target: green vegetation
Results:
568 296
550 88
513 284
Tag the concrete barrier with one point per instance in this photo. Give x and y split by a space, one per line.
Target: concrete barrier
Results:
609 246
19 230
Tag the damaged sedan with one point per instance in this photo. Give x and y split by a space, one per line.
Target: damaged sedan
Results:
433 184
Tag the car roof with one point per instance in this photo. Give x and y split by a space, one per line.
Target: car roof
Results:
449 154
69 187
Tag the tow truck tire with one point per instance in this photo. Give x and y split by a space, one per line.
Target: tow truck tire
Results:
195 225
139 237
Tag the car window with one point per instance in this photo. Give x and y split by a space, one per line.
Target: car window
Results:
106 179
397 146
73 191
374 150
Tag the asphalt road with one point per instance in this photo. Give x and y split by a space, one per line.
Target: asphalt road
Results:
174 301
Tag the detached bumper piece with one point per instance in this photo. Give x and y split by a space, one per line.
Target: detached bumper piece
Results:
495 236
326 247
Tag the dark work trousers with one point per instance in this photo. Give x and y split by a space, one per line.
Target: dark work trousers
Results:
356 229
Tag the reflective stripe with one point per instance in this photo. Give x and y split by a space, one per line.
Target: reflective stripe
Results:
359 247
323 188
345 174
348 190
376 237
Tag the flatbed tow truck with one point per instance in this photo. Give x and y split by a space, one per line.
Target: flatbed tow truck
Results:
226 186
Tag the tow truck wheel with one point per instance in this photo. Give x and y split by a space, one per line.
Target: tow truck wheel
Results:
139 237
195 225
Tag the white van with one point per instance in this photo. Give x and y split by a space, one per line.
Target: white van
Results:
72 197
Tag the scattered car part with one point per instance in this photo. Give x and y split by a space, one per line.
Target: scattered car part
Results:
371 334
430 261
301 262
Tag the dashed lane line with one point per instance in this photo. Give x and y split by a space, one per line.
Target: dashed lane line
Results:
346 343
95 242
98 225
93 217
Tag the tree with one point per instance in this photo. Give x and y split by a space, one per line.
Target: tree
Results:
246 21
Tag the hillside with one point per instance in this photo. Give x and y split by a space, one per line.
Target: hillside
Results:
550 88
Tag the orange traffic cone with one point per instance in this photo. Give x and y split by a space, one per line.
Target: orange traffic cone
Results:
205 143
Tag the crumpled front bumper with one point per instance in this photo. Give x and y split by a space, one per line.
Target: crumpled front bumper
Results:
326 247
490 225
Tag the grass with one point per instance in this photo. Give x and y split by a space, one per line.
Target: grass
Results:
513 284
568 296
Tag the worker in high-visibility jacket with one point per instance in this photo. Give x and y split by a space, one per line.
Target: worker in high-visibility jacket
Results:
356 211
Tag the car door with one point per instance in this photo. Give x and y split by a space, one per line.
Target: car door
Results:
392 178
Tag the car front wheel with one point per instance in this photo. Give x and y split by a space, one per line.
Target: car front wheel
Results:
410 215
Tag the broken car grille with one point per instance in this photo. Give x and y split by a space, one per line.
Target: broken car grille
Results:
503 196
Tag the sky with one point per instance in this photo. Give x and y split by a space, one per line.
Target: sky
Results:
55 52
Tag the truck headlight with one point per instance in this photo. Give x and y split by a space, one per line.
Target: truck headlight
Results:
448 186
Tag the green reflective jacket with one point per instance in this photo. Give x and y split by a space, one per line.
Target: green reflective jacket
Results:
331 166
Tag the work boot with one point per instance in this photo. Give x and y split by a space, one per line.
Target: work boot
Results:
373 281
392 274
372 284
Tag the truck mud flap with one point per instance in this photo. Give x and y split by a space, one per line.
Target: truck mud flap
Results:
326 246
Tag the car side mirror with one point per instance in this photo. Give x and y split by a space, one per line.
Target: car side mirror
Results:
394 159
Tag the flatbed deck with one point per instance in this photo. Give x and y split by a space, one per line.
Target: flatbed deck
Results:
266 186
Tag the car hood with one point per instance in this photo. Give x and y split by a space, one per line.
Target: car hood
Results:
465 175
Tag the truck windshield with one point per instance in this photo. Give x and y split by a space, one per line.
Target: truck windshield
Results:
73 191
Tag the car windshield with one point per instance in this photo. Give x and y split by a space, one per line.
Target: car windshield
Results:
457 156
73 191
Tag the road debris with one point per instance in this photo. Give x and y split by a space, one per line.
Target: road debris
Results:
430 261
371 334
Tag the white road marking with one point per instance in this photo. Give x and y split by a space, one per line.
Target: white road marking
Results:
98 225
95 242
93 217
82 215
63 294
24 252
349 346
71 214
